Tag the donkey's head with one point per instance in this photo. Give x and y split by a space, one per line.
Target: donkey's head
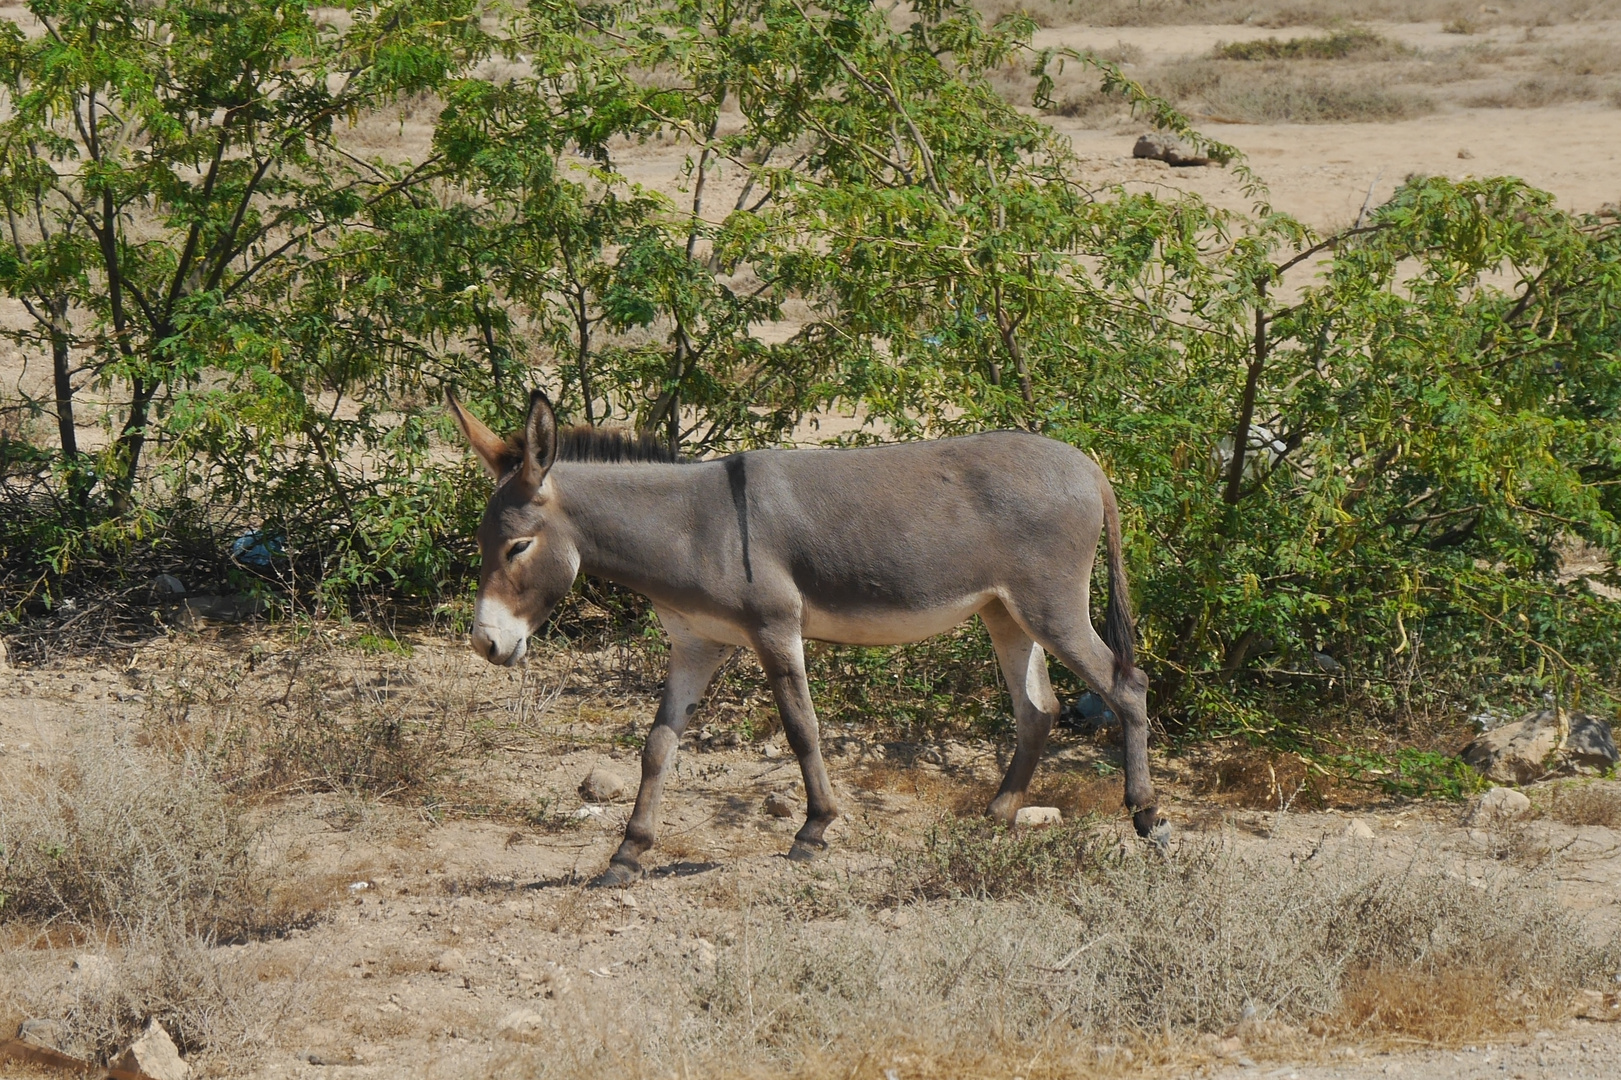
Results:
528 561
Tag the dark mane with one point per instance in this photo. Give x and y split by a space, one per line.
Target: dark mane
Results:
611 445
607 446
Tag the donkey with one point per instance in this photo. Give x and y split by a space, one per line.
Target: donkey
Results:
871 546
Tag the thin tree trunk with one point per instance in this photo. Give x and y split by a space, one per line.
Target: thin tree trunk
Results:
130 443
582 320
65 427
1246 408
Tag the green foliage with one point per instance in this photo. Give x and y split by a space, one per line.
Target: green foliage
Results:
1409 773
1350 466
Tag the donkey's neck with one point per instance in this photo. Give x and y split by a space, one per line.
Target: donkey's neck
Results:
632 524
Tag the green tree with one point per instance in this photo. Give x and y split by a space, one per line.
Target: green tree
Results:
161 161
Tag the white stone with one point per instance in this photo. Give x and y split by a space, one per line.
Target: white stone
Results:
1500 804
451 961
153 1055
521 1024
780 804
602 786
1357 829
1038 815
705 956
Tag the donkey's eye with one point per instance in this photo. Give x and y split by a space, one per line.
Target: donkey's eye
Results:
517 549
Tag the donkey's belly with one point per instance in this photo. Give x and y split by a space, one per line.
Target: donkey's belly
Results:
887 626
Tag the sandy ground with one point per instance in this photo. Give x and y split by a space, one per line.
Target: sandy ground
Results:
359 988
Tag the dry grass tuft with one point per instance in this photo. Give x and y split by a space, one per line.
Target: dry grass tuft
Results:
1257 779
1591 802
974 857
1355 42
1242 93
121 871
1538 92
1441 1007
120 836
99 995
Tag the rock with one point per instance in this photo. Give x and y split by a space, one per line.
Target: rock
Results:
1038 815
780 804
705 957
200 609
1357 829
41 1032
1499 804
771 751
1590 743
602 786
521 1024
1518 753
450 961
555 982
167 587
1597 1005
1163 146
153 1055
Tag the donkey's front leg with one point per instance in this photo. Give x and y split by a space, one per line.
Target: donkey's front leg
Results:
693 662
783 657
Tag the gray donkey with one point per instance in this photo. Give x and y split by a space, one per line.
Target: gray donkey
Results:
764 549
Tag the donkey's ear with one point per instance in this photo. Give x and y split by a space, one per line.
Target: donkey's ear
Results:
539 439
492 450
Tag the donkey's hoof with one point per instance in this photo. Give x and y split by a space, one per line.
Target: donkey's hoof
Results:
1004 809
1145 820
617 876
806 850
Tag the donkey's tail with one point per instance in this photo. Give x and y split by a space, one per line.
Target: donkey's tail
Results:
1118 631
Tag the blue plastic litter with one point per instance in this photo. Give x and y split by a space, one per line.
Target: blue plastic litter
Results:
256 548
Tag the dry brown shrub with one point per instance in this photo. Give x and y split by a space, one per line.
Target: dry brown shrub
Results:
1593 802
119 836
1538 92
1443 1007
1240 92
135 867
1259 779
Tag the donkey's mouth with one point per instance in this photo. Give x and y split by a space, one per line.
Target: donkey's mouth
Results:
499 636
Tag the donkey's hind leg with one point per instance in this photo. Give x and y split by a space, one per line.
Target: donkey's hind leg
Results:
782 654
1024 669
693 662
1078 646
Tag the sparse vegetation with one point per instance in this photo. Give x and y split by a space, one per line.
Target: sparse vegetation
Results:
1238 93
1336 46
1582 802
125 838
1133 952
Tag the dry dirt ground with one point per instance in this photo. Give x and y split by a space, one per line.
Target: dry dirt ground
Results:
451 936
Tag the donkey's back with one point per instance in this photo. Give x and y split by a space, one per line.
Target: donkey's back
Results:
897 543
